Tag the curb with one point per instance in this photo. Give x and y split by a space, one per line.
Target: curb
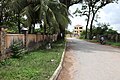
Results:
59 68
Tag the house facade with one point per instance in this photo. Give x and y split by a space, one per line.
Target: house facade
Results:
77 30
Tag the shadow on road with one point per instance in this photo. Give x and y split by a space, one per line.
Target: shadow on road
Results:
84 46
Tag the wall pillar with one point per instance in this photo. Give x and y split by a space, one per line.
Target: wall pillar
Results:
2 42
25 32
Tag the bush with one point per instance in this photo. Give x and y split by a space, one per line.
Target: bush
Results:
82 37
113 43
17 49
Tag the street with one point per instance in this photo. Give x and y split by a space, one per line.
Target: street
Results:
90 61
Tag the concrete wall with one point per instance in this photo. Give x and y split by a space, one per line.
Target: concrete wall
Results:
11 38
30 41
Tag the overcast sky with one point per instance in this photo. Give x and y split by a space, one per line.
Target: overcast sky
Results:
109 14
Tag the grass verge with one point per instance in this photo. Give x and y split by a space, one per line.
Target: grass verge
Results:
117 44
37 65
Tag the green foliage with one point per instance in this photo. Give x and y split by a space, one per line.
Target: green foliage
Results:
90 8
51 12
37 65
102 29
113 43
82 35
12 29
17 49
60 14
110 31
4 63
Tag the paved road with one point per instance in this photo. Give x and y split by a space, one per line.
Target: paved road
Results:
90 61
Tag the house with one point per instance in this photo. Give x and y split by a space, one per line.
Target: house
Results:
77 30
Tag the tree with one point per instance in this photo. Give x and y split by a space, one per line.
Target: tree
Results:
34 10
101 29
95 6
7 16
41 7
83 34
61 14
55 19
17 6
85 11
43 10
68 3
111 31
4 11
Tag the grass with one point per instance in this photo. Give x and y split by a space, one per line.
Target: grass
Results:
113 43
117 44
37 65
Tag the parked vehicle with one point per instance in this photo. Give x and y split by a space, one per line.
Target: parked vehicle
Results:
102 40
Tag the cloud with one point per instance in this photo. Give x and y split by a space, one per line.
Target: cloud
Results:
110 14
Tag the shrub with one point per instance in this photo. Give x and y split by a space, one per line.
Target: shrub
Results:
82 37
17 49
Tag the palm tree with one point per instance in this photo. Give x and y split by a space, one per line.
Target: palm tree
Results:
4 11
17 6
46 14
61 14
53 13
30 9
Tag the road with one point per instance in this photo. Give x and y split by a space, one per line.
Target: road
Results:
90 61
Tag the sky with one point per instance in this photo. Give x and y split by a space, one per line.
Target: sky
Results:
108 14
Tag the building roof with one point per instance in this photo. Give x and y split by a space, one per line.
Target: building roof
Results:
78 25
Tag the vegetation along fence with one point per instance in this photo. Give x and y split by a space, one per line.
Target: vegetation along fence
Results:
30 41
110 37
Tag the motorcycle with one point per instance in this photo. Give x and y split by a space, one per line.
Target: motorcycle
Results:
102 42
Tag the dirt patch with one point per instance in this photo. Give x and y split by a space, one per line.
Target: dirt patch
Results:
67 64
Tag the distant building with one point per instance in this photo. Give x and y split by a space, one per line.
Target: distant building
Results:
77 30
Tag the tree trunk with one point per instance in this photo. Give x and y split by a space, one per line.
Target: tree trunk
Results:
91 26
33 28
18 18
44 29
29 31
86 28
1 17
61 34
87 24
68 3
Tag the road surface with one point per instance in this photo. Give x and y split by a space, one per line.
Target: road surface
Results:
90 61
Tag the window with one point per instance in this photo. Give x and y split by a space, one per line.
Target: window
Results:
80 31
80 27
75 27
